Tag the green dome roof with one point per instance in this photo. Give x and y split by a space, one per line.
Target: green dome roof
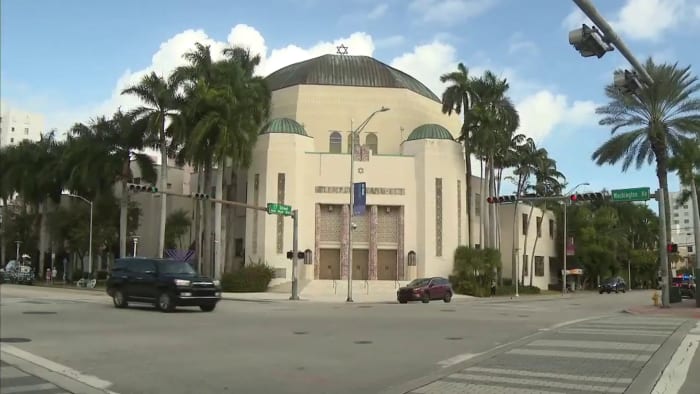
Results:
283 126
430 131
346 70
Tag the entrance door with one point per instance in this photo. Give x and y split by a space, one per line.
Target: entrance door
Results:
386 264
360 264
329 264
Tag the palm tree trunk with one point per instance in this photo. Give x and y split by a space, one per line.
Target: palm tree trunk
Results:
206 225
163 188
493 220
123 208
3 249
527 235
218 257
483 215
662 175
42 237
199 220
468 189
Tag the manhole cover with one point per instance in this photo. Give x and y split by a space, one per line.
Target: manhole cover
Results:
364 306
300 332
14 340
454 338
363 342
39 313
448 310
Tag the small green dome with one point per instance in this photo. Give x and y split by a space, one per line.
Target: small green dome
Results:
430 131
283 126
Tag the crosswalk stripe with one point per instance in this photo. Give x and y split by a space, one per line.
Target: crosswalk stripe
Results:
598 331
596 379
28 388
605 345
11 372
441 387
583 355
536 383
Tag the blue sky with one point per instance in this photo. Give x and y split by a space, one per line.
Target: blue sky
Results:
69 59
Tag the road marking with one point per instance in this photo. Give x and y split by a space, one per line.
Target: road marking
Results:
28 388
8 372
457 359
57 368
584 355
537 382
676 371
605 345
596 379
625 333
441 387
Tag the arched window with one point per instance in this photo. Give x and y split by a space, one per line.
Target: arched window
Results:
411 259
335 142
308 257
350 142
372 142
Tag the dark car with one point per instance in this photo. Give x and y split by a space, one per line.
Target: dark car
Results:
613 284
164 283
686 285
425 289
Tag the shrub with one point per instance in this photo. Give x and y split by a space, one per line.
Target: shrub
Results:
474 269
77 274
250 278
510 290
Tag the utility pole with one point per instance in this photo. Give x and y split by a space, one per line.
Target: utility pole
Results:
295 255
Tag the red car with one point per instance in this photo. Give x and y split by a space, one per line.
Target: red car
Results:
425 289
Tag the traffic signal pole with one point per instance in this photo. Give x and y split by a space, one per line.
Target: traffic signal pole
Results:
295 255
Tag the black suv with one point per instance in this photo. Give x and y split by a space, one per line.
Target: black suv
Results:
613 284
162 282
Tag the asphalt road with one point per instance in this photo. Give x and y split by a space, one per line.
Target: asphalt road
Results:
277 347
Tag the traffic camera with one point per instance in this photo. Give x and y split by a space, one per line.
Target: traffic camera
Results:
589 41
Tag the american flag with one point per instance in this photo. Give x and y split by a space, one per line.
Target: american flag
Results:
179 254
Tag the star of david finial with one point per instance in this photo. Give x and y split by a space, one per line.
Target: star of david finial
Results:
342 49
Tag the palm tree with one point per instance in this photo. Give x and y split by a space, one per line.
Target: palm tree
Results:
658 121
108 146
548 183
457 98
495 120
161 101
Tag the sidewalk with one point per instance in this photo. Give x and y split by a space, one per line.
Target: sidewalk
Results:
330 298
685 308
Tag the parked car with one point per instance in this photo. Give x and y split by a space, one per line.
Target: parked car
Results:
686 285
425 289
616 284
164 283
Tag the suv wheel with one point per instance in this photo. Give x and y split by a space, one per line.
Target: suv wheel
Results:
207 307
119 299
165 302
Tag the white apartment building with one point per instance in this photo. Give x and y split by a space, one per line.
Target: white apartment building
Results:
17 126
682 232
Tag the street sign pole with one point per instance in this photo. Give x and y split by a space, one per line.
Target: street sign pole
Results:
295 255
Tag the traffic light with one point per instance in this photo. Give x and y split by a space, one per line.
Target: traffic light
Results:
589 41
200 196
502 199
672 248
627 81
290 255
588 197
135 188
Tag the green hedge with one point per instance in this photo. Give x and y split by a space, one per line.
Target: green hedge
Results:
510 290
473 271
252 278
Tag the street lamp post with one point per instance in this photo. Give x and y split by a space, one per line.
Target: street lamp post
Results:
353 136
136 242
567 202
17 253
90 236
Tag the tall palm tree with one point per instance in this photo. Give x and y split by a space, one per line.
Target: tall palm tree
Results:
161 101
108 147
495 120
657 122
457 98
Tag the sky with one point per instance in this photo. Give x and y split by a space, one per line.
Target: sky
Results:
69 59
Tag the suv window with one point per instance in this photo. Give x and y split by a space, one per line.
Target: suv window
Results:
121 265
141 266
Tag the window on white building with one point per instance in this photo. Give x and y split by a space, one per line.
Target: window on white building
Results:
539 265
26 131
477 206
335 142
372 143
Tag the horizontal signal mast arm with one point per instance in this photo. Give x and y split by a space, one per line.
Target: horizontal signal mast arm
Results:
225 202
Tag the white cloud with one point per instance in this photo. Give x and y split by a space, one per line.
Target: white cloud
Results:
449 11
519 44
543 112
643 19
427 63
378 11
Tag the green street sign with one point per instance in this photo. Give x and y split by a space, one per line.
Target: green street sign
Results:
634 194
279 209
